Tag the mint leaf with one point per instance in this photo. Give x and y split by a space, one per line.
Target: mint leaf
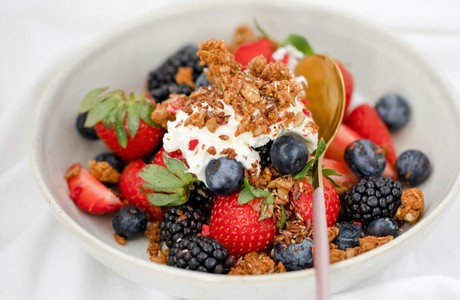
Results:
90 99
331 172
260 30
318 152
320 149
300 43
266 208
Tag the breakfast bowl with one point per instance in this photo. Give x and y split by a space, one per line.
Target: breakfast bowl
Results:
379 62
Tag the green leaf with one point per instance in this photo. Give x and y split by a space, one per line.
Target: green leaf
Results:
99 111
283 219
160 188
245 196
166 199
133 120
318 152
255 191
145 111
331 172
260 29
178 168
300 43
90 99
160 176
266 206
120 132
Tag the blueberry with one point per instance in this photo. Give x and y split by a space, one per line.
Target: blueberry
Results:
394 111
86 132
365 158
413 167
129 222
113 160
349 234
295 256
224 175
383 227
202 81
288 154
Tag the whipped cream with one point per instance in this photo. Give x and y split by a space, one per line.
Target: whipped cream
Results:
194 142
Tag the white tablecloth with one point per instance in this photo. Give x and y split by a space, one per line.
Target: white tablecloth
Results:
39 259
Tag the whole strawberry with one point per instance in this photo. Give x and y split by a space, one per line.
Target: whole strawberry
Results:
302 200
238 228
122 121
90 194
131 190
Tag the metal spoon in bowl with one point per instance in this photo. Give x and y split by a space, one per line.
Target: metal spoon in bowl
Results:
326 101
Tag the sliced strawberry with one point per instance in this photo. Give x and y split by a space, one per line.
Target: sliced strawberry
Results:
90 194
349 85
158 159
247 51
237 226
131 190
367 123
343 138
302 200
347 178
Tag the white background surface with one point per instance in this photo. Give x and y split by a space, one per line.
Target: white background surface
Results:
40 260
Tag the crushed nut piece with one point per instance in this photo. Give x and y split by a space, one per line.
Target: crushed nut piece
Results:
185 76
371 242
336 255
103 171
256 264
332 233
154 248
412 206
119 239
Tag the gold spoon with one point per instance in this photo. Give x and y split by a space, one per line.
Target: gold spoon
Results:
326 101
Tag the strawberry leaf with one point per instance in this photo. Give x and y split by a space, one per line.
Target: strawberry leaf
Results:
245 196
99 111
179 169
266 208
161 177
166 199
133 119
121 133
300 43
90 99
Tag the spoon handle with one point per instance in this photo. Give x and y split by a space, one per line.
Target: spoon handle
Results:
321 252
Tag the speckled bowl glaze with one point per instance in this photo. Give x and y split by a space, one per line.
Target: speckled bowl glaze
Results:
379 61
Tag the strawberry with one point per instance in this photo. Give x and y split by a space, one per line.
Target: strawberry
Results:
348 83
347 178
122 122
237 227
90 194
247 51
131 190
159 160
367 123
302 200
345 135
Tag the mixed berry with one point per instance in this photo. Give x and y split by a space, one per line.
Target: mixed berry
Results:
214 162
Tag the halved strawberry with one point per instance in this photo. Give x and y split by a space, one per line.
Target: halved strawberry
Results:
247 51
302 200
131 190
90 194
347 178
343 138
237 227
122 122
348 83
367 123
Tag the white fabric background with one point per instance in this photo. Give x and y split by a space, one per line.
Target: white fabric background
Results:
39 259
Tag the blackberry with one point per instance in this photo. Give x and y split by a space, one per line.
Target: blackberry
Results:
202 197
200 253
180 222
162 81
264 152
373 198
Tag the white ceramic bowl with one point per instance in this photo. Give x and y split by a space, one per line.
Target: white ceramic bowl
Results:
379 61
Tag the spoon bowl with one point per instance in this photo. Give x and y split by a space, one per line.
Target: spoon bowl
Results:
325 96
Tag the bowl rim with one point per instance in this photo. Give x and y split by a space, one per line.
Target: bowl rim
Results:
165 11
